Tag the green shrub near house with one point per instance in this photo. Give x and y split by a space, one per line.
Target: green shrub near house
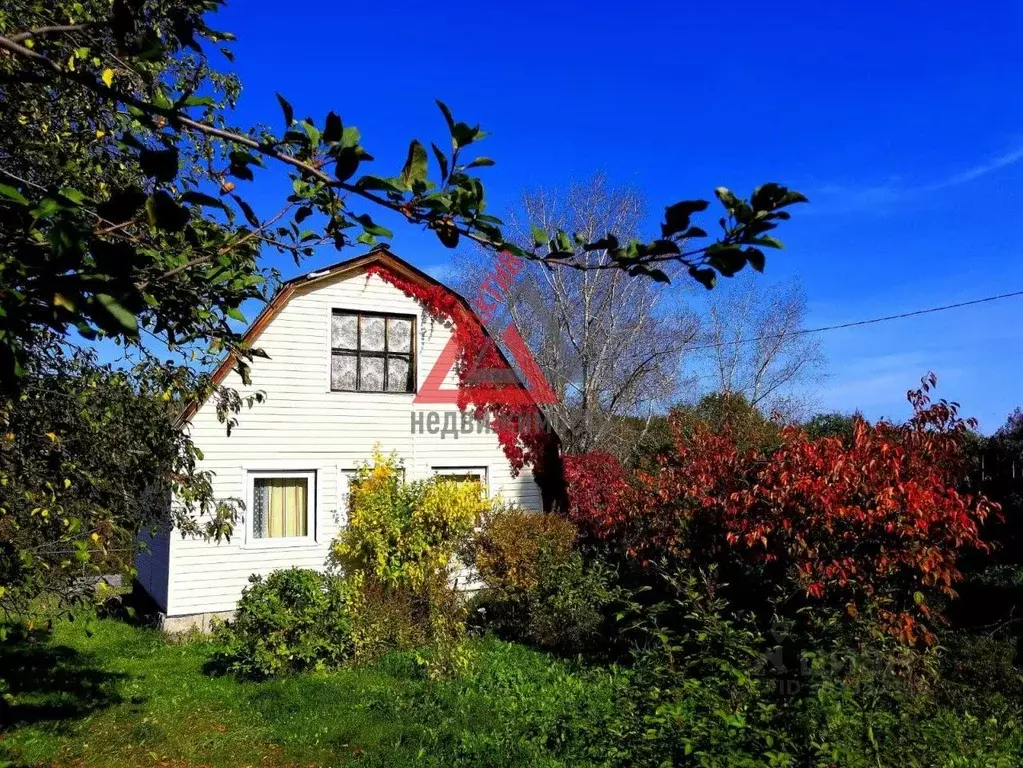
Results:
389 585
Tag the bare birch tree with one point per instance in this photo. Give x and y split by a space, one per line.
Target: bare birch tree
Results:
610 345
750 343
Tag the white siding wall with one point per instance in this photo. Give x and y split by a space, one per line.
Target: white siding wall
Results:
303 425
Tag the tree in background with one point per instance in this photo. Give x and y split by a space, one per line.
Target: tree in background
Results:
609 343
995 583
832 425
1001 477
752 345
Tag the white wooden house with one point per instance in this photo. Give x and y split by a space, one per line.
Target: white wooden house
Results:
347 351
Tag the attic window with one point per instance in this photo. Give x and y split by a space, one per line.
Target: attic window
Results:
372 352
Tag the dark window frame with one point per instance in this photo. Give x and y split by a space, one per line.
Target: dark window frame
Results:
383 354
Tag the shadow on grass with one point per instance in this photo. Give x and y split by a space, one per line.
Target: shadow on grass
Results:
51 685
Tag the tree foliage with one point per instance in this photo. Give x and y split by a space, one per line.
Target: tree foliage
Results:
89 457
752 343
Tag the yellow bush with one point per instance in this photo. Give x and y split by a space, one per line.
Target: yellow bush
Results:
405 534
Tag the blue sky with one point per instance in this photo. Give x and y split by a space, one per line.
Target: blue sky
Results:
903 122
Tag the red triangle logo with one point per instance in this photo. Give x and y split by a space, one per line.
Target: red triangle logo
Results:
499 385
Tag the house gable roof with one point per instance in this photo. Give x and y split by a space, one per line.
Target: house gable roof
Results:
379 255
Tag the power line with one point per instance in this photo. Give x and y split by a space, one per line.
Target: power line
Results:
856 323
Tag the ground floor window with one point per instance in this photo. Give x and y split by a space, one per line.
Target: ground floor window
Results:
471 474
282 505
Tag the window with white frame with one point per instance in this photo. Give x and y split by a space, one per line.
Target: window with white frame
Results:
282 506
471 474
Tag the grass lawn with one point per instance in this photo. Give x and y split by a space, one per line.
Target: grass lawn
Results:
123 696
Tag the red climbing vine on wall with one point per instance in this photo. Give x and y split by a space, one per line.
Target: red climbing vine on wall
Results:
482 389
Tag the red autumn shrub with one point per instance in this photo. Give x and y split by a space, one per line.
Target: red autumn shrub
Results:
599 493
875 521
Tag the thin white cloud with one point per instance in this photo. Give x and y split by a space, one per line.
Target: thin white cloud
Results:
976 172
877 383
844 198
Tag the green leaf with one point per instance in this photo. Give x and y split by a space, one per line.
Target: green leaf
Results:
415 168
563 241
378 182
646 271
448 236
727 198
334 130
447 116
480 162
658 275
287 109
119 312
372 227
73 196
13 194
235 314
463 135
767 242
350 137
608 243
706 276
539 236
159 164
198 198
311 131
240 162
442 161
122 206
247 212
347 163
756 258
662 248
303 213
165 213
46 208
676 217
199 101
726 259
771 196
161 100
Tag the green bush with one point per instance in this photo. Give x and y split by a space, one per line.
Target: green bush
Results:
877 703
569 608
294 620
538 589
386 617
703 690
404 534
698 692
979 666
